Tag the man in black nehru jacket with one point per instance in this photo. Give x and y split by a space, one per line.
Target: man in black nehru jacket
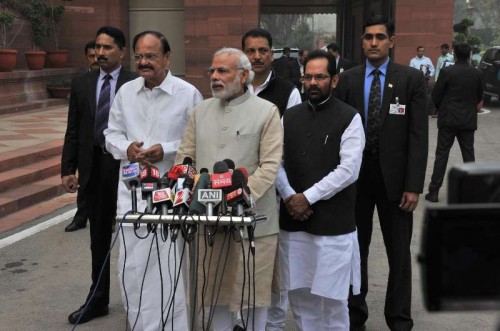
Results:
319 251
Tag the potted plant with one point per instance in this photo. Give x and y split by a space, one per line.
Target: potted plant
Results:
34 11
59 88
57 58
8 57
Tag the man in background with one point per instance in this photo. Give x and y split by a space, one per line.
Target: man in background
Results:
392 101
457 96
341 63
257 45
444 60
424 64
92 94
80 219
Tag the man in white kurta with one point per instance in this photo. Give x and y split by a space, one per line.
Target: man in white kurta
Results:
146 123
242 127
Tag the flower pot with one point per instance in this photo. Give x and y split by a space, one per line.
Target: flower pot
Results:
58 58
59 92
8 59
35 60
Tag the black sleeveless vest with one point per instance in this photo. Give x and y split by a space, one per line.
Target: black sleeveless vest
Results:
278 92
312 137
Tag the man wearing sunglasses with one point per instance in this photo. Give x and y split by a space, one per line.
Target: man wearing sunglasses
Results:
392 101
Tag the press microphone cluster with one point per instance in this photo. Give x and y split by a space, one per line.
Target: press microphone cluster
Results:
182 193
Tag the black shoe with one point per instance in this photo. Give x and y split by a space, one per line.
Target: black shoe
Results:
432 196
90 313
75 225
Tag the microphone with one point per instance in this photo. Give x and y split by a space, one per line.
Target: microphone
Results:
221 179
183 196
150 178
203 182
185 170
230 164
241 199
238 197
130 177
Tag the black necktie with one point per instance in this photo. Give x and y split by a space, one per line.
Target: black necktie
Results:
373 121
102 112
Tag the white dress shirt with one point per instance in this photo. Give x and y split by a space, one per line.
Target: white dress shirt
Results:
422 63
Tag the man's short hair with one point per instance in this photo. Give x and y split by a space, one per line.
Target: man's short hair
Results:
319 54
256 33
164 42
115 33
89 45
286 50
462 51
333 47
378 19
445 46
419 47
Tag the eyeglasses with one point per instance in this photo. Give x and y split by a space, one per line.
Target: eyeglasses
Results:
318 77
262 51
148 57
220 70
378 36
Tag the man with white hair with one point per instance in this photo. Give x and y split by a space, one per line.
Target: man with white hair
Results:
237 125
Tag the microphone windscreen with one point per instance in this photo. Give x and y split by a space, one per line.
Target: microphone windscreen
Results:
230 163
238 177
203 170
220 167
187 160
203 182
245 173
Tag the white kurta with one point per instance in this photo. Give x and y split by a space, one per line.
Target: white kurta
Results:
325 264
151 116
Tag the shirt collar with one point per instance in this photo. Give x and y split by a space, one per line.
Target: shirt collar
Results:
166 85
238 100
115 73
370 67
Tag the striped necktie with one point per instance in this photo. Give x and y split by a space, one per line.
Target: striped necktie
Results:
102 112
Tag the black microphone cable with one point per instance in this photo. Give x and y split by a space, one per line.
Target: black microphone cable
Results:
243 320
171 279
100 273
161 277
143 281
176 280
213 303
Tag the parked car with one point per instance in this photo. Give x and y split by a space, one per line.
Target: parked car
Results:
489 66
278 52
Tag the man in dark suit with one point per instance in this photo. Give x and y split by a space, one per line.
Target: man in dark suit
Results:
392 101
91 96
457 96
80 219
341 63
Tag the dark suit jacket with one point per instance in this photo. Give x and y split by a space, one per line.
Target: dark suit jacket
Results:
344 64
78 145
295 73
403 141
282 68
456 94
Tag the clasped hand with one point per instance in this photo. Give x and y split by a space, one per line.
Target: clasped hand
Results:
147 156
298 206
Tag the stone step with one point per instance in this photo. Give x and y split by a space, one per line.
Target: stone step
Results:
31 105
26 174
29 155
25 196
